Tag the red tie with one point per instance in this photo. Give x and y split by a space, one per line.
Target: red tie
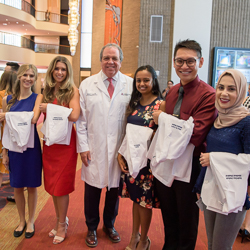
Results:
110 87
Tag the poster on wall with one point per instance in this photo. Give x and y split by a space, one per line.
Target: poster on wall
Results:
230 58
113 19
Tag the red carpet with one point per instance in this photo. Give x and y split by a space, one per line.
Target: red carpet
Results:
77 228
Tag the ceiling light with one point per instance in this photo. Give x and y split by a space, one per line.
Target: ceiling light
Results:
23 24
73 19
16 22
6 19
5 24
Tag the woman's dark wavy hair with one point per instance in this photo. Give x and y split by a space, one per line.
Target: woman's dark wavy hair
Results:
136 95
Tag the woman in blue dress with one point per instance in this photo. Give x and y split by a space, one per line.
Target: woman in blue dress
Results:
230 134
145 98
25 168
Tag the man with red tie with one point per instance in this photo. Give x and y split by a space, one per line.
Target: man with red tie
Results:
103 98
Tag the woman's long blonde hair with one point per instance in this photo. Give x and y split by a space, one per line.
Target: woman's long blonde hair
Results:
16 90
66 90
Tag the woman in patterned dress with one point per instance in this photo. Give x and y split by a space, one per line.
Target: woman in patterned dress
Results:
145 98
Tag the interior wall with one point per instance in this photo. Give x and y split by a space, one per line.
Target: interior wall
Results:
129 35
230 26
192 20
54 6
156 54
98 27
41 5
76 57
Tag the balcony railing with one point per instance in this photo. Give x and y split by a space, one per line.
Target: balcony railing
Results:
52 48
39 15
51 17
16 40
21 5
23 42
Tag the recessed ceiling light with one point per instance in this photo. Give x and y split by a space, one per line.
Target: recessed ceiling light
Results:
5 24
26 29
6 19
16 22
23 24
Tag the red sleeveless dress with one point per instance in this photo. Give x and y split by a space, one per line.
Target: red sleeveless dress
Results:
59 166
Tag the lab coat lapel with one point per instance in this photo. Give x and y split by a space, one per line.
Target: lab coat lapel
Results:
100 85
120 85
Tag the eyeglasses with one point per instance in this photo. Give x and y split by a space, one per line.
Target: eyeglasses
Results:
190 62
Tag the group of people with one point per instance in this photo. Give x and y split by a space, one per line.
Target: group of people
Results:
104 108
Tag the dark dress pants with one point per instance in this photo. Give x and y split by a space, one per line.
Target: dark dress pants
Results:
91 206
179 211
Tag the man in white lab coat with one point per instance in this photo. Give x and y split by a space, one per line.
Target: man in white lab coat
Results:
100 130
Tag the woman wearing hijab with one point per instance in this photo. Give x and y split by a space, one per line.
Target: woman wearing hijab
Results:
229 134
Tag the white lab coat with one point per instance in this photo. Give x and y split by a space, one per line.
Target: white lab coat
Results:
100 128
135 146
170 152
225 185
18 133
57 128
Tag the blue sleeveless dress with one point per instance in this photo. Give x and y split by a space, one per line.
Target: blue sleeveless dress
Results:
26 168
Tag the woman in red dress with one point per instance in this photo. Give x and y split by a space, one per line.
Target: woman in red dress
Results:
59 161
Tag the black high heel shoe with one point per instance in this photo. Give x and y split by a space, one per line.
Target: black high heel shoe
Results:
245 234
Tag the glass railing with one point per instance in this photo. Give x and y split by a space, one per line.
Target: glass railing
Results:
21 5
13 3
39 15
52 48
23 42
16 40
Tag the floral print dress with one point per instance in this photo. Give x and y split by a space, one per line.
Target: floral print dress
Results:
141 188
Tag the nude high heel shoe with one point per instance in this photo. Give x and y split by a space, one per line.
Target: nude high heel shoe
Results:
149 243
59 239
53 232
134 237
